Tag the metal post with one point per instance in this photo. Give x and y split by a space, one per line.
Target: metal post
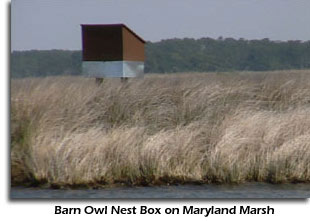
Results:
124 79
99 81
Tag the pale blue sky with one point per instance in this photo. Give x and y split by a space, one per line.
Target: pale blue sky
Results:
55 24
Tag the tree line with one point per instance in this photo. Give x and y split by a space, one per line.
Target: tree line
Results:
178 55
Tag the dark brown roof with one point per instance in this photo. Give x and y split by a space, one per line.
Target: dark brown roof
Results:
116 25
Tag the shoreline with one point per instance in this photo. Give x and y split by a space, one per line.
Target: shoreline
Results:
120 185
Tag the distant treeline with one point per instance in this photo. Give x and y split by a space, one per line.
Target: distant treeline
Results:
36 63
179 55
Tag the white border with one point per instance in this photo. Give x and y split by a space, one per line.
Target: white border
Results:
43 210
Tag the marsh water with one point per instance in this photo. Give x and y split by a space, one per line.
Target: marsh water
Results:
248 190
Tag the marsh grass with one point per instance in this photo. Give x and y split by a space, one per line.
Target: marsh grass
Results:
178 128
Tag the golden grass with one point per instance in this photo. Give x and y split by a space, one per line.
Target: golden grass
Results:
204 128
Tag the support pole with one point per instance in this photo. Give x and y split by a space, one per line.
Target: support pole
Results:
124 79
99 81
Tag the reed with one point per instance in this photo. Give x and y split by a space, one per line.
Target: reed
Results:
178 128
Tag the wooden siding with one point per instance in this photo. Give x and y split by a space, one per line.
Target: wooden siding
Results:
102 43
133 48
115 42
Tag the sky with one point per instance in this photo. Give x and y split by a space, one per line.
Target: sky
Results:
55 24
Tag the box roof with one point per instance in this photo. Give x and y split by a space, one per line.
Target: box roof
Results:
115 25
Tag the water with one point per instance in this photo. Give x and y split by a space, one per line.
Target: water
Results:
248 190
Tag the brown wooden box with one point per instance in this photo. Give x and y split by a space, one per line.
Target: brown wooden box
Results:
112 42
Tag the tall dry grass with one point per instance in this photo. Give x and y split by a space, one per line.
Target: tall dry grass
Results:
223 128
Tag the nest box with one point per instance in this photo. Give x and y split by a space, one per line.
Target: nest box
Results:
112 50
